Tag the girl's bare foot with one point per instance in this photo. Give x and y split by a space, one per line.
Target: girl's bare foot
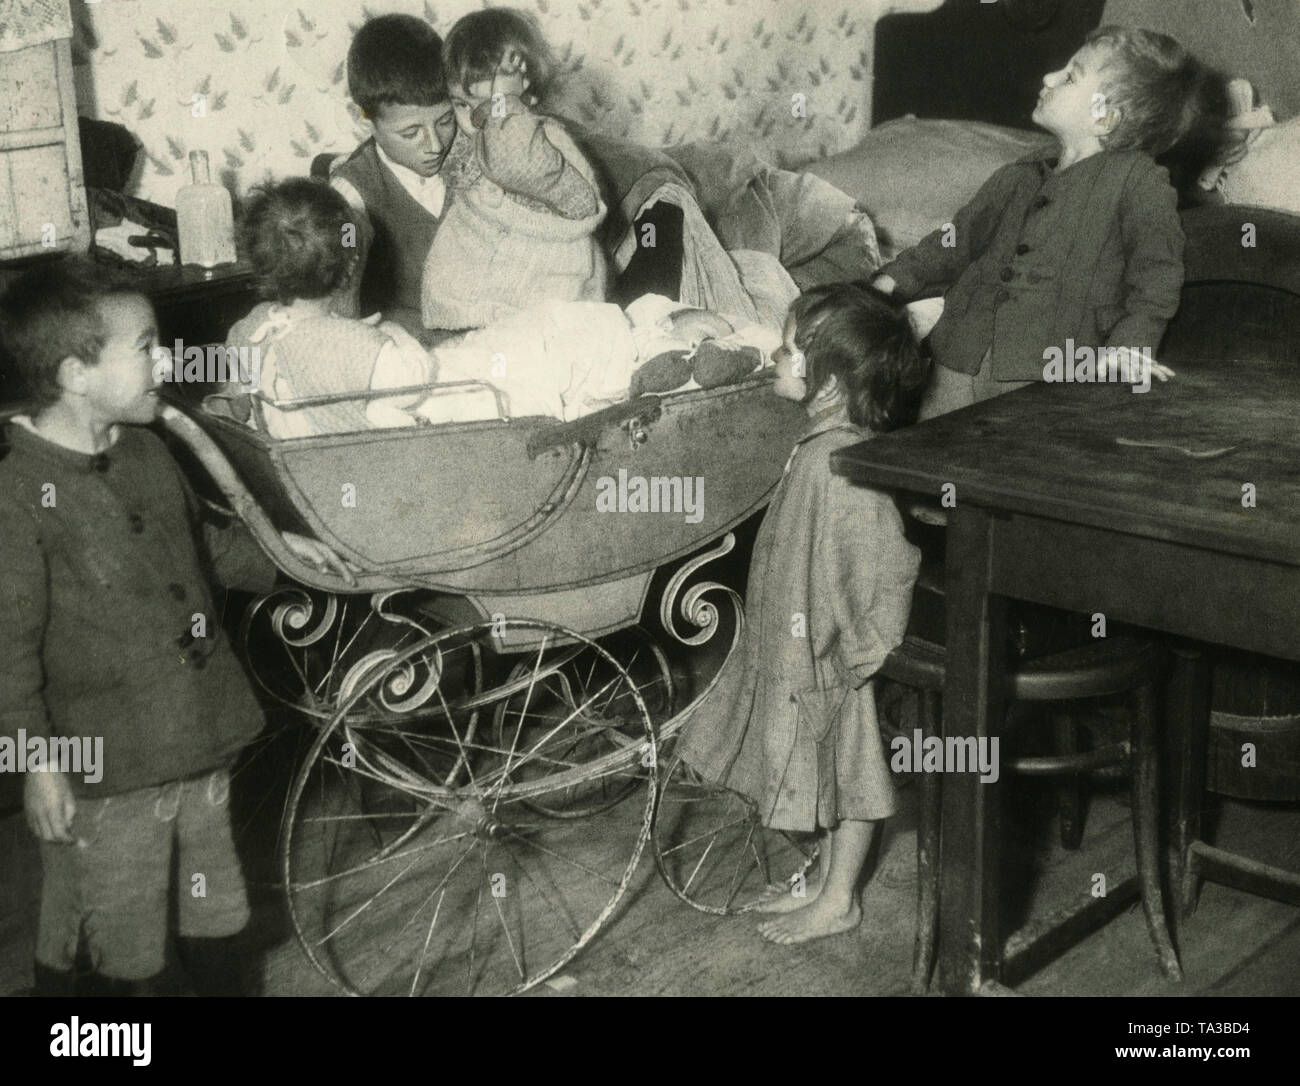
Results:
784 899
818 920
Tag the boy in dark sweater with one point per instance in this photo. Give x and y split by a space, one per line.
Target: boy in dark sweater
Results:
392 181
1079 246
110 642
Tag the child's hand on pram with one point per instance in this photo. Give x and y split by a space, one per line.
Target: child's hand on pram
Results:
317 554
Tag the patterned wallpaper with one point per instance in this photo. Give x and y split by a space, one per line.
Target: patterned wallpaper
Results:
260 84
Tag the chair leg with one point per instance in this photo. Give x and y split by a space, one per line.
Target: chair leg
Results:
927 853
1069 788
1145 809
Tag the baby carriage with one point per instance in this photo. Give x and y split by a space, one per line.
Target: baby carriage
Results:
487 687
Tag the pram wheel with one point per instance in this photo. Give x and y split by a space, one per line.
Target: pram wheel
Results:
403 881
575 715
714 852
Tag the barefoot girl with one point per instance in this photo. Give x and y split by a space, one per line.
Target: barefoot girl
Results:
792 722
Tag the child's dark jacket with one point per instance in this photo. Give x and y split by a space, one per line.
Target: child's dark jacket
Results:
101 581
1093 254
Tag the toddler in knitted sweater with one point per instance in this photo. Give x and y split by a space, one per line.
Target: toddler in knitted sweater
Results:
525 204
294 232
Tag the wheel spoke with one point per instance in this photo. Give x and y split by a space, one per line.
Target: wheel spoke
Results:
734 885
700 864
442 769
707 833
424 951
562 858
505 930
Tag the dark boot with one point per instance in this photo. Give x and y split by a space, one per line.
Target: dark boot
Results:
51 982
226 966
97 985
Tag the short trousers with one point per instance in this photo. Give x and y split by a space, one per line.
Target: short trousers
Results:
111 887
950 390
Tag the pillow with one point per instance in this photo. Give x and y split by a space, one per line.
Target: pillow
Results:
1266 176
913 175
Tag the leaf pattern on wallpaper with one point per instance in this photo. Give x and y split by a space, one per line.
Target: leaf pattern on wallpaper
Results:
656 71
159 166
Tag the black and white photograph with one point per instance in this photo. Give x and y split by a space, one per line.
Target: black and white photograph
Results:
652 498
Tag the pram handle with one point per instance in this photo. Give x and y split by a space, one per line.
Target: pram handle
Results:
245 506
585 430
366 395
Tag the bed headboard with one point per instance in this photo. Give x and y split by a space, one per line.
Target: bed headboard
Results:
1258 40
975 61
984 61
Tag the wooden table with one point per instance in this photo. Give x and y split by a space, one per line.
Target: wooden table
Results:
1051 507
195 304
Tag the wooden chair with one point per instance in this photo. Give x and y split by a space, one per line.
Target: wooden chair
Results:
1115 665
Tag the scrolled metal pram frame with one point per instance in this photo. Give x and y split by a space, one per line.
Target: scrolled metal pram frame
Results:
487 688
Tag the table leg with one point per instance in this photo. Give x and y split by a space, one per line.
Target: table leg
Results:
1187 730
970 943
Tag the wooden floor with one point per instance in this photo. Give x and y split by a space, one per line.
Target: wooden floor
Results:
1235 944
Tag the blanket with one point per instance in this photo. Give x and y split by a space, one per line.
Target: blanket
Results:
819 233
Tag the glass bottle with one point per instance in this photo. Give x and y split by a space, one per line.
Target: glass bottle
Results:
204 220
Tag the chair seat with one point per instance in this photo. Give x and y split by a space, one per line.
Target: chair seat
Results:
1109 666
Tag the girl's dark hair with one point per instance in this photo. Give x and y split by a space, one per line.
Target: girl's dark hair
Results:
294 234
51 313
395 60
474 45
863 339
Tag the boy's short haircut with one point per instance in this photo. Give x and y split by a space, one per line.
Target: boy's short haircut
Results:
1155 84
395 60
476 42
293 231
861 337
52 313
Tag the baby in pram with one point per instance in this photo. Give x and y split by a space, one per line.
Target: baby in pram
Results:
295 233
561 359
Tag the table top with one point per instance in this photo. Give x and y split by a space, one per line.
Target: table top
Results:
178 281
1063 451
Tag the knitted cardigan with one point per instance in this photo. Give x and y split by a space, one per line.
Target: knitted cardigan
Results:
102 580
313 356
520 228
